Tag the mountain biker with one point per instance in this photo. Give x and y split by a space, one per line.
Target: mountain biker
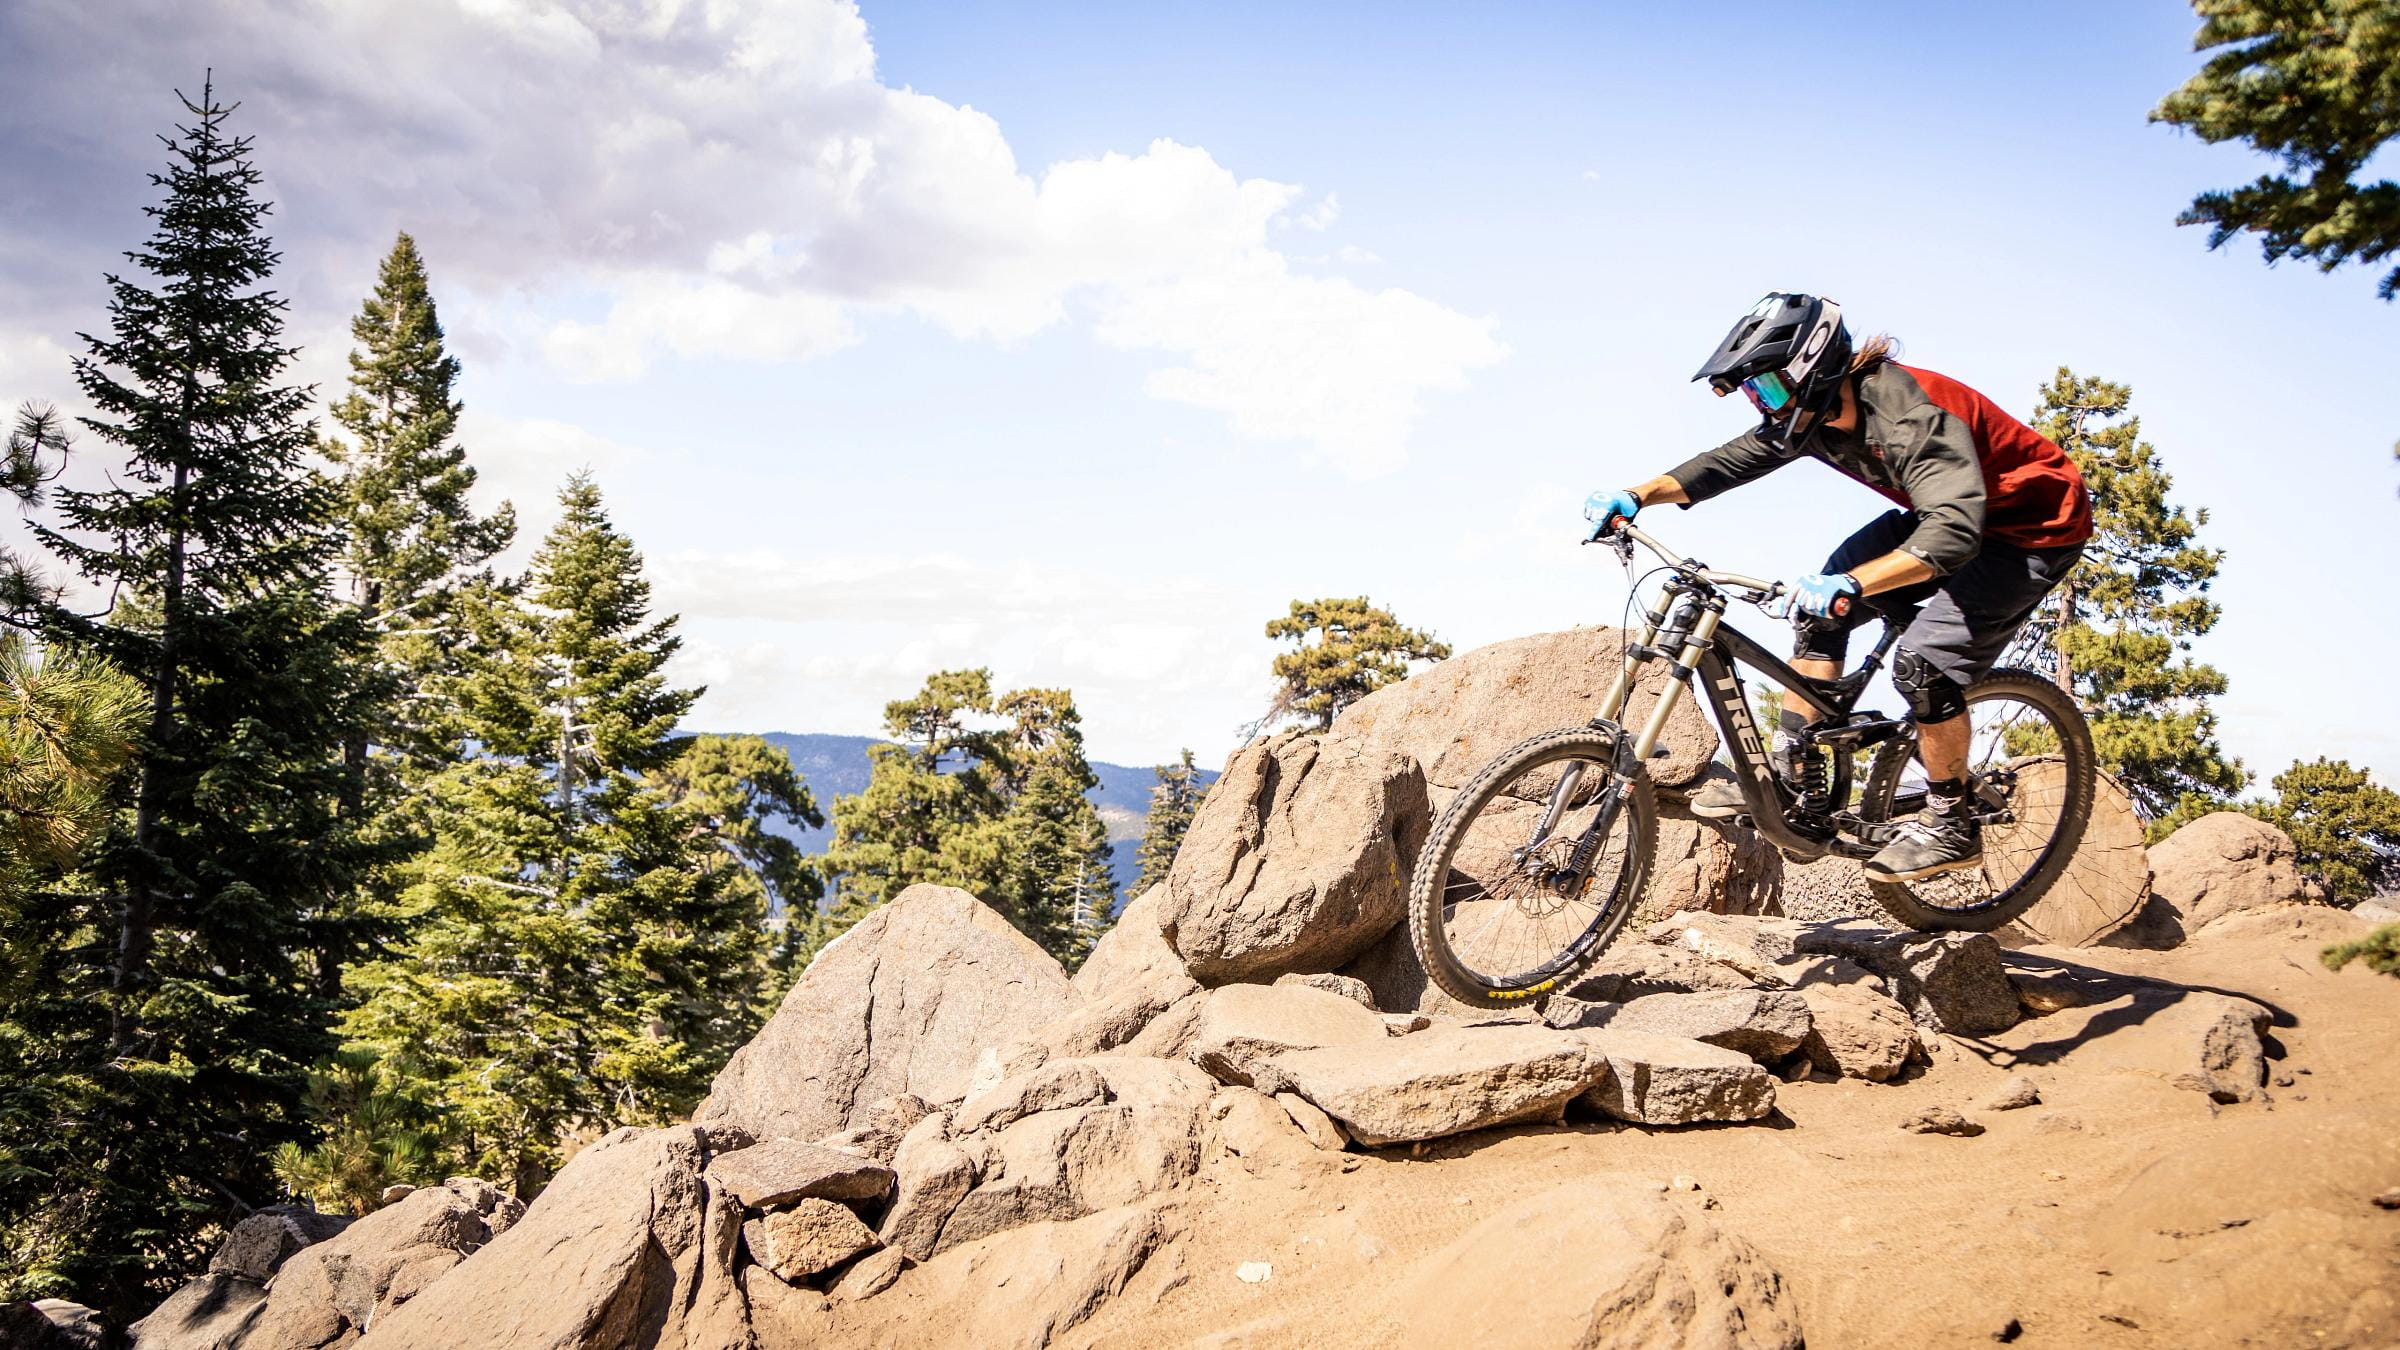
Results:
1992 516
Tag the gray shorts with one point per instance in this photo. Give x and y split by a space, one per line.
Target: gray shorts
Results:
1960 623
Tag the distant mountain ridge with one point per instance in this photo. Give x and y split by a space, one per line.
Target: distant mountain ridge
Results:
837 766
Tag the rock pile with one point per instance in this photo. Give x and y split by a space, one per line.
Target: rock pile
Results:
936 1093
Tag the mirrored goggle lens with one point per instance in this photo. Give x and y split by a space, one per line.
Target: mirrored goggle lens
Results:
1768 392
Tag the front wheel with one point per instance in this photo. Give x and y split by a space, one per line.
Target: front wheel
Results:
2032 770
1532 870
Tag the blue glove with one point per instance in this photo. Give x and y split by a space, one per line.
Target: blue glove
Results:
1602 508
1818 593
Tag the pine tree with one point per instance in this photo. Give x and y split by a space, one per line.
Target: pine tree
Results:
2315 83
376 1135
2124 620
1174 801
738 786
579 956
34 454
1056 864
1343 650
2344 825
158 1057
936 781
982 793
411 536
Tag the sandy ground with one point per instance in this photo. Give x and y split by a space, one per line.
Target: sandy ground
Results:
2121 1211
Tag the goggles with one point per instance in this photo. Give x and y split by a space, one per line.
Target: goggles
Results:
1767 391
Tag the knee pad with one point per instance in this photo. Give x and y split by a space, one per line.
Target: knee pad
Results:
1932 696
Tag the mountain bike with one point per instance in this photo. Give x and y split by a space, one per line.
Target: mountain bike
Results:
1541 859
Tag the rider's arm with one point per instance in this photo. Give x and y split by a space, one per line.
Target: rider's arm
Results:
1744 458
1939 470
1660 491
1891 571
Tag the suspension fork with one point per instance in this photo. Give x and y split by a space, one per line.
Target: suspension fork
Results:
1702 633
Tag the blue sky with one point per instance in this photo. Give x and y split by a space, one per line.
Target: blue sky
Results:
1077 340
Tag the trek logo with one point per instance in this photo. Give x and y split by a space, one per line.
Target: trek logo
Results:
1745 732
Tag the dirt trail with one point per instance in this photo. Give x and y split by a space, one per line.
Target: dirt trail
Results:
2121 1211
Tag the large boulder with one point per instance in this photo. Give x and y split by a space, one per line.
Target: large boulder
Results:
1455 717
628 1245
1243 1025
780 1171
1668 1080
1764 1024
901 1003
1021 1290
1390 970
1949 982
1856 1031
1076 1155
1132 951
2222 864
1114 1019
1297 861
1621 1267
1442 1081
1709 865
329 1292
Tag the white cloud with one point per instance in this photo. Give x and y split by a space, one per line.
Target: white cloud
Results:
731 179
1147 658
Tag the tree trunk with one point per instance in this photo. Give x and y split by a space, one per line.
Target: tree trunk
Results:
2066 616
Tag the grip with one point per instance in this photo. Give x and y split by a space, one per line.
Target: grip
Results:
1841 607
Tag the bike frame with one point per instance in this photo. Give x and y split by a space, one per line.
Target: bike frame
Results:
1689 617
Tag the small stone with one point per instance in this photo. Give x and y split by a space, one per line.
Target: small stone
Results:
2014 1095
2389 1199
1710 1202
813 1235
393 1195
1684 1183
1941 1120
1402 1024
2009 1331
2054 1176
1254 1272
2285 1080
870 1275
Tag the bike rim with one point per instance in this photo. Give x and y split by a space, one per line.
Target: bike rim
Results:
2021 781
1516 912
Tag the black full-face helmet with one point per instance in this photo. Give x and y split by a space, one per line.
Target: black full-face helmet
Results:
1788 355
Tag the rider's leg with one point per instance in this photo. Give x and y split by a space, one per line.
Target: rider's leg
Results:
1951 643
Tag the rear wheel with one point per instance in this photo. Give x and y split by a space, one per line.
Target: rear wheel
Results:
2032 769
1532 870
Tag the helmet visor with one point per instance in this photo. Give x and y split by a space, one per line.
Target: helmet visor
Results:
1768 393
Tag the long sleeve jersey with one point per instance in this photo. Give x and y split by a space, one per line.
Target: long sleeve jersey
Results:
1969 470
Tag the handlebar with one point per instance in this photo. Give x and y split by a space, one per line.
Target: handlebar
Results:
1625 534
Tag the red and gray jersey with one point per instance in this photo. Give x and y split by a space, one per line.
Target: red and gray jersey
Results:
1968 470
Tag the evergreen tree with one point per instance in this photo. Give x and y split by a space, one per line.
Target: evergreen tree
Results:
2345 826
376 1135
1174 802
580 956
158 1055
2124 620
936 781
982 793
737 787
1343 650
36 439
411 536
1057 881
2315 83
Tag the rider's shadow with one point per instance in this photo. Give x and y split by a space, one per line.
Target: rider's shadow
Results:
2111 1003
